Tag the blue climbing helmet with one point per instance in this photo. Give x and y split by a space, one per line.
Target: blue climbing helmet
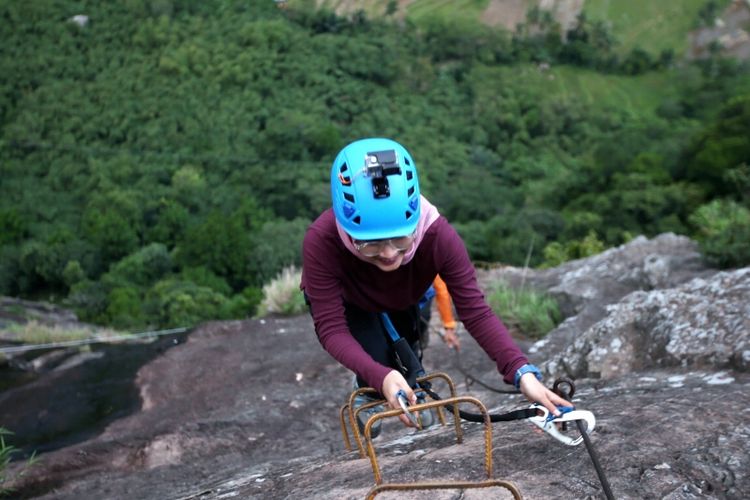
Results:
375 190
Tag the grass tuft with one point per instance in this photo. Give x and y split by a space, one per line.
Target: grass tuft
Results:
528 312
34 332
6 451
282 295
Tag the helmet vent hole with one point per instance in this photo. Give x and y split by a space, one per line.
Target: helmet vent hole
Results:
411 191
409 175
343 168
408 214
349 197
356 220
406 160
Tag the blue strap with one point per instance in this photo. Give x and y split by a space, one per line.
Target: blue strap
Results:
562 409
428 295
389 327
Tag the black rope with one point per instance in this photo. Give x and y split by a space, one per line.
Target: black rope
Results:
470 379
595 459
568 396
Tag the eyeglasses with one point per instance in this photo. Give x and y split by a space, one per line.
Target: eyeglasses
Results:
372 248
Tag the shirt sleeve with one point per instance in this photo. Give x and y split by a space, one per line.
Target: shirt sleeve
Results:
323 290
458 272
443 300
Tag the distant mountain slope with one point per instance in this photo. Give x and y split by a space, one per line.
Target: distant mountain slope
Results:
652 26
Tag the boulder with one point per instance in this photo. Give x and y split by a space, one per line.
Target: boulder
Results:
701 324
585 287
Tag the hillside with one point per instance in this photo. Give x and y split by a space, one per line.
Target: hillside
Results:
653 26
160 161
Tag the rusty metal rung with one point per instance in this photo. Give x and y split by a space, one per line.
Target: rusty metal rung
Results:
446 485
454 401
348 408
426 406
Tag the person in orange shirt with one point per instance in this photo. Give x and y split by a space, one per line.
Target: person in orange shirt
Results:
439 292
445 308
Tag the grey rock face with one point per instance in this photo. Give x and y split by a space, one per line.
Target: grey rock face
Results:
641 264
14 310
585 287
704 323
661 434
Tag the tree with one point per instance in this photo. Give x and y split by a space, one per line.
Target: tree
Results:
720 147
142 267
723 229
113 222
275 246
175 303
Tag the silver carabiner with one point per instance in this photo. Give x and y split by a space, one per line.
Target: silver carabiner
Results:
546 421
404 402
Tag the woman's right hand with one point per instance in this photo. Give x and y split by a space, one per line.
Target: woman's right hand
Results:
392 383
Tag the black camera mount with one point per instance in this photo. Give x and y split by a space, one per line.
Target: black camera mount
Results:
379 165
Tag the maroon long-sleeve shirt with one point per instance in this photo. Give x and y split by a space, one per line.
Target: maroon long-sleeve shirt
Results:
332 275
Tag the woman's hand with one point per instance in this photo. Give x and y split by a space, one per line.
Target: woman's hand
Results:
392 383
536 392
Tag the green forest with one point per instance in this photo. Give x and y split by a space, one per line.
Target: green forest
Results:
160 162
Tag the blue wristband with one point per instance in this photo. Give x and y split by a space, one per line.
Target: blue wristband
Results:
527 368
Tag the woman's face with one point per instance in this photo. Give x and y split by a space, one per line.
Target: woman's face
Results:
389 258
387 254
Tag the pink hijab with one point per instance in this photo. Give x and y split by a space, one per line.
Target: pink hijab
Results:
427 215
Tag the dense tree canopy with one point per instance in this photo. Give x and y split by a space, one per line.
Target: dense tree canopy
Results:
161 162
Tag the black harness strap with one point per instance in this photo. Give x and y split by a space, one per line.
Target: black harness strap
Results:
494 417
